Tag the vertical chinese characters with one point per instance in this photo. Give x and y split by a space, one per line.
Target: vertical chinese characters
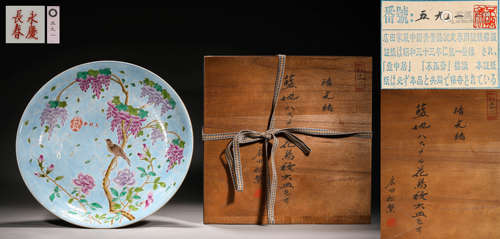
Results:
287 168
460 124
327 94
32 30
421 126
18 19
390 188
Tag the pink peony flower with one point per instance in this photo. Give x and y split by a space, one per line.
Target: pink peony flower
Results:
150 200
85 181
124 177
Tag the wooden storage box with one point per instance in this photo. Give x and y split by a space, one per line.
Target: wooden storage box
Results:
440 164
332 184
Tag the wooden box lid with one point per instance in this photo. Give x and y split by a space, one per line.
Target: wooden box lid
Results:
332 184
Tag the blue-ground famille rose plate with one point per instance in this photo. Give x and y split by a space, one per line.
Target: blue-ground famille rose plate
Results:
104 144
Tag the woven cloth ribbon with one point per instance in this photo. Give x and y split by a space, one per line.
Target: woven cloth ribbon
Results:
232 152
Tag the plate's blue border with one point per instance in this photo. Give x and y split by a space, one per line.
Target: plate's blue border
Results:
190 156
439 88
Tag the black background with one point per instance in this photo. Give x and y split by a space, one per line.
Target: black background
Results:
172 43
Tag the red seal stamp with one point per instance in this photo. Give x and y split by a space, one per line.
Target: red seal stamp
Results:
485 16
360 76
491 105
391 222
76 123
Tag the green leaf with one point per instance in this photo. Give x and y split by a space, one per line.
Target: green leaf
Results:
129 195
93 73
176 141
83 200
137 197
62 104
56 189
170 116
53 103
123 72
172 102
155 186
183 128
122 107
133 208
141 169
132 110
140 133
133 84
116 100
138 190
52 196
59 178
129 146
148 153
157 179
71 212
105 71
29 141
114 192
162 184
81 74
182 143
165 94
152 174
117 206
87 161
70 200
26 122
45 97
142 113
96 205
53 88
123 193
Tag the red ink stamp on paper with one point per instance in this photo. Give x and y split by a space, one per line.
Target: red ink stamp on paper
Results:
360 73
485 16
491 105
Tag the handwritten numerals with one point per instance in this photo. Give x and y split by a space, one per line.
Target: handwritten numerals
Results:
289 96
287 167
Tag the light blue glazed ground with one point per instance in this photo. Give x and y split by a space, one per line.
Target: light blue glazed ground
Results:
91 156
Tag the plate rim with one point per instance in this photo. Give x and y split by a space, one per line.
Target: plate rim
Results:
20 126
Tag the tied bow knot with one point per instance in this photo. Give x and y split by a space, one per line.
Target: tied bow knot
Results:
243 137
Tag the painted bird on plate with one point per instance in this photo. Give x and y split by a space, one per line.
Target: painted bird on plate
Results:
117 150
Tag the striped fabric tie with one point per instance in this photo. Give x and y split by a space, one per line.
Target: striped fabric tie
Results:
232 151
